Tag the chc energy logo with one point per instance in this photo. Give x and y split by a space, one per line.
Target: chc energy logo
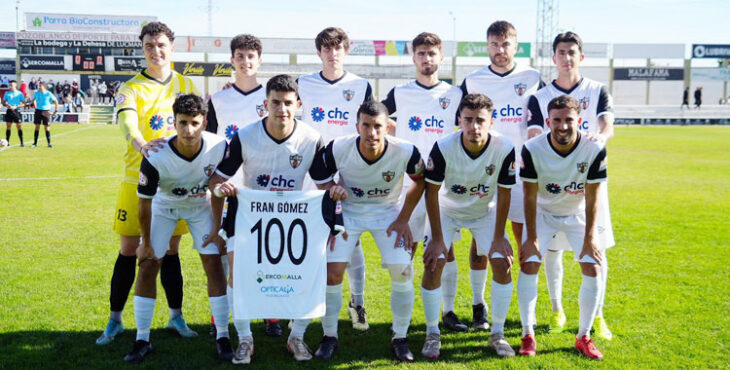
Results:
572 188
509 114
278 183
231 131
372 193
479 190
197 191
317 114
431 124
333 116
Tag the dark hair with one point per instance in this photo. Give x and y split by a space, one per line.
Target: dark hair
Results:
501 29
332 36
564 101
372 108
13 82
475 102
155 28
189 104
427 39
568 37
282 83
246 42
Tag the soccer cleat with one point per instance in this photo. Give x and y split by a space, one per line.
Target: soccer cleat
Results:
327 348
479 317
528 346
113 328
451 321
140 349
213 331
400 349
50 145
179 325
299 349
223 346
244 351
585 346
602 330
557 322
34 145
358 317
503 349
22 145
432 346
273 329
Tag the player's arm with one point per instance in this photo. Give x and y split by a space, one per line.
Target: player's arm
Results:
414 169
389 103
212 125
149 178
435 174
55 104
529 184
323 172
222 188
605 115
505 182
5 100
535 119
596 175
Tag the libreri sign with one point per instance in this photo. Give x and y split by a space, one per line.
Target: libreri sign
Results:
86 22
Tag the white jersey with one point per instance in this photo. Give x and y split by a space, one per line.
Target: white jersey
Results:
560 178
510 93
594 98
469 183
332 106
372 188
177 182
269 164
280 260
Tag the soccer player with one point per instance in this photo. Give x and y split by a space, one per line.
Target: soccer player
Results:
509 86
144 113
14 100
173 186
42 100
371 166
330 100
426 109
236 107
274 153
562 171
473 165
597 118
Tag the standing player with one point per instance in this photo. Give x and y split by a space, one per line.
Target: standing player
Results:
509 86
42 100
275 154
426 109
173 186
330 100
473 165
597 122
144 113
562 171
371 166
14 100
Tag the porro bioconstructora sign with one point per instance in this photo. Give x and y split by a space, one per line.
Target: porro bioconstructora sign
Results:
86 22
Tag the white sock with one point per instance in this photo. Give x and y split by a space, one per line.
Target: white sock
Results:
554 277
604 278
449 280
333 299
478 284
298 328
527 297
356 273
229 297
590 290
431 302
401 305
219 309
501 298
243 327
144 309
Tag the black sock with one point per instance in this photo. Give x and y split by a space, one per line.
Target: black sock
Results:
35 137
48 137
172 280
122 280
20 135
7 135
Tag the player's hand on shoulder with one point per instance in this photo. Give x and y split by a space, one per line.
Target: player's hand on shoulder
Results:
433 251
503 247
152 146
529 248
337 192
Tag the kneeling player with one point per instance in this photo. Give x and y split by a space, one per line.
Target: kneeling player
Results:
371 167
474 165
562 171
173 184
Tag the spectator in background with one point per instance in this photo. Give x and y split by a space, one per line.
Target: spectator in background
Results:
102 91
698 97
93 92
66 88
74 87
32 86
23 87
685 98
78 102
68 104
58 90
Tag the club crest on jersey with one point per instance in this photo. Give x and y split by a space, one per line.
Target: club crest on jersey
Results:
582 167
584 102
260 110
520 88
388 175
490 169
208 170
348 94
295 160
444 102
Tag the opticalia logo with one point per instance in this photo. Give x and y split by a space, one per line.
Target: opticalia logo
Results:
231 131
333 116
197 191
277 183
508 114
277 289
432 124
157 121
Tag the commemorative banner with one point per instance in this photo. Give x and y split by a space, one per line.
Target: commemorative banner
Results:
86 22
280 258
711 51
129 64
44 62
88 62
648 74
203 69
78 39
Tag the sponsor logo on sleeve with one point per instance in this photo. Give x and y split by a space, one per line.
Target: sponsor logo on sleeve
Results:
143 179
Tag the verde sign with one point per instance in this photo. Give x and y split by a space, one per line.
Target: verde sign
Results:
86 22
479 49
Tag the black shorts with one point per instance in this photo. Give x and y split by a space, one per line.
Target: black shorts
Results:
42 117
229 222
13 116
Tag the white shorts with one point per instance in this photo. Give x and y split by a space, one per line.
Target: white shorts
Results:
573 227
164 220
389 255
516 207
604 226
417 223
482 230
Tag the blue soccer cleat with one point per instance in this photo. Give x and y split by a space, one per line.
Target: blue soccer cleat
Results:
179 325
113 328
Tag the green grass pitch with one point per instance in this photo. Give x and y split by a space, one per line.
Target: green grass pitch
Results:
668 285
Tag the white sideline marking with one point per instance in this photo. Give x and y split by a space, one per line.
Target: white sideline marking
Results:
60 178
54 136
